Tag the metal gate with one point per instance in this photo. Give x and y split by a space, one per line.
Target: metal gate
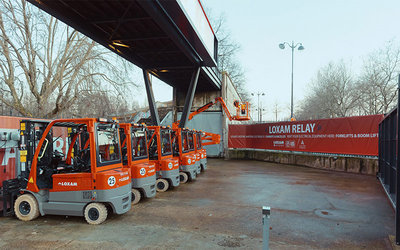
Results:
389 163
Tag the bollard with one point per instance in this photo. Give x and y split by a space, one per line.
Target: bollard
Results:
266 211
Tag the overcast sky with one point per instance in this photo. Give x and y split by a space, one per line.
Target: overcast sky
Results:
329 31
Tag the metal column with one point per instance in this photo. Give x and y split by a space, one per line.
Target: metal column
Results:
266 212
150 97
189 98
398 169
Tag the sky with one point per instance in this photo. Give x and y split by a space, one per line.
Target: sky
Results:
328 30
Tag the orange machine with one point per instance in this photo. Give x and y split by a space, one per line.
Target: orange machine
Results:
183 149
160 153
202 152
136 158
242 110
88 180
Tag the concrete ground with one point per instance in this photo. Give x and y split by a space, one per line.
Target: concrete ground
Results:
310 209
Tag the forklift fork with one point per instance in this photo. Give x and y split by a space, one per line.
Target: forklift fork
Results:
9 194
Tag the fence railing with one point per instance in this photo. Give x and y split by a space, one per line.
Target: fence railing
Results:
389 162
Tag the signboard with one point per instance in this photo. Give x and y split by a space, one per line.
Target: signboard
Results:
356 135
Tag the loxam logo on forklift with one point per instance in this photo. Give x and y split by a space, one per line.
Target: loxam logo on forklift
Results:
68 184
124 179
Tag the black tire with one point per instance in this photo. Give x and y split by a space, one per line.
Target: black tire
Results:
162 185
26 207
136 196
193 176
95 213
183 177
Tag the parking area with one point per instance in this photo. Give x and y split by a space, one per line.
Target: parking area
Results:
310 208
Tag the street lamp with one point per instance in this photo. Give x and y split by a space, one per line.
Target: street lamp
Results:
292 46
258 103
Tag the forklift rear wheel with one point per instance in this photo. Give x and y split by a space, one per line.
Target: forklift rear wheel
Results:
95 213
26 207
183 177
136 196
162 185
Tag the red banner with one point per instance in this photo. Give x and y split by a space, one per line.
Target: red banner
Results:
357 135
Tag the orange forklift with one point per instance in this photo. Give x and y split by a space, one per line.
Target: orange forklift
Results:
134 156
183 146
160 154
88 180
192 141
200 151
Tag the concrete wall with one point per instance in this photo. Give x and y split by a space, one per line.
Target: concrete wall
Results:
343 164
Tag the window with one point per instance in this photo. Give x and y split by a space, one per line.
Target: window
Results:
166 148
153 154
139 147
198 140
108 143
190 140
185 144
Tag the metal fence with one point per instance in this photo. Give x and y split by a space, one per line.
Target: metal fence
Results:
389 163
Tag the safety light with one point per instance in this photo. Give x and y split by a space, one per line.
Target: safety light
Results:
118 43
282 46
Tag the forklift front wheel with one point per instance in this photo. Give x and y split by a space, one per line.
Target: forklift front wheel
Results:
95 213
183 177
26 207
162 185
136 196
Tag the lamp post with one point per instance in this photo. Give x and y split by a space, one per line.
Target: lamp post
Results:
292 46
258 103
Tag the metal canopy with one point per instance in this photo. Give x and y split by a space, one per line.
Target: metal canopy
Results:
155 35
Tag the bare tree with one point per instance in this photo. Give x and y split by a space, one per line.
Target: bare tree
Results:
45 65
333 94
378 82
227 57
276 109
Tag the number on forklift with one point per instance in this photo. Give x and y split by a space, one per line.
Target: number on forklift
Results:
111 181
142 171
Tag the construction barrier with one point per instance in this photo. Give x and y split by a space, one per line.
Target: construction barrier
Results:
357 135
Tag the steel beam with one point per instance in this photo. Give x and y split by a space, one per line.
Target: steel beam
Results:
150 97
189 97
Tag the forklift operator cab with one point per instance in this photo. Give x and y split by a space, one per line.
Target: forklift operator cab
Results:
160 153
192 149
135 157
182 152
200 150
84 181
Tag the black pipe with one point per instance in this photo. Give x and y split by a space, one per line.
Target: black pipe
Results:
398 168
